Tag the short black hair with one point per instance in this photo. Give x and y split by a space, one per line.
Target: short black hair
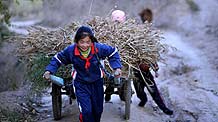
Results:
83 32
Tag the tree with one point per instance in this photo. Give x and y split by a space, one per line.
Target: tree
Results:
4 18
4 12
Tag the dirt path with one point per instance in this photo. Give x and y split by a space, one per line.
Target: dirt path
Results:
192 79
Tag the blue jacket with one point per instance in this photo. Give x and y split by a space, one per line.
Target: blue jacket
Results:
85 69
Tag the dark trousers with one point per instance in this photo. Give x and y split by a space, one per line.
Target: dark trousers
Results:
139 85
90 98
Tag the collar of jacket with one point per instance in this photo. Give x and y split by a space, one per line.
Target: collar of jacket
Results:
87 60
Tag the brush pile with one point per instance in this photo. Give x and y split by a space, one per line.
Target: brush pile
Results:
44 41
135 42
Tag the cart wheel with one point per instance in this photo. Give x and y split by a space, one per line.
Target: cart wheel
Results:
56 101
128 94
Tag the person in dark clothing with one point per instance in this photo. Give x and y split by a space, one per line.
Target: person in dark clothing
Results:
84 54
139 83
146 15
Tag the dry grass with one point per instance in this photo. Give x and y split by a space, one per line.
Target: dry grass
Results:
136 42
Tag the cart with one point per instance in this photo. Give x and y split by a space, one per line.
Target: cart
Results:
124 92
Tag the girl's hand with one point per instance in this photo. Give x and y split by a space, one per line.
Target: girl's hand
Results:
118 73
46 75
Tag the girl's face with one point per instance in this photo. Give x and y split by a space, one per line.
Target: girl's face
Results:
84 43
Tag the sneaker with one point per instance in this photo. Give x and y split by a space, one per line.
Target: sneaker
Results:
107 97
142 104
168 111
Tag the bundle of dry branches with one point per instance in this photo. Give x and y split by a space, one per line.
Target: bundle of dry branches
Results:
135 42
42 40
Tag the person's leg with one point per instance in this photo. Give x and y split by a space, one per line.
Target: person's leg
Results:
139 88
97 99
84 102
108 92
157 97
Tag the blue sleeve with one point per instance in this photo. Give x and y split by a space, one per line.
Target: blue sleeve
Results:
111 53
60 58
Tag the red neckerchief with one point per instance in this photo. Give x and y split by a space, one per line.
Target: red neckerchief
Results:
93 51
